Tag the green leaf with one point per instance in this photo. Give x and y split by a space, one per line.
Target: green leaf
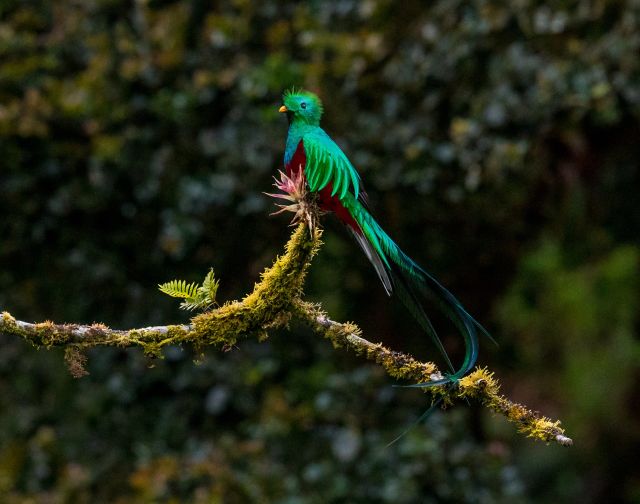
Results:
179 289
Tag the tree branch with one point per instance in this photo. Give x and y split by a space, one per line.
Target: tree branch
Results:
276 300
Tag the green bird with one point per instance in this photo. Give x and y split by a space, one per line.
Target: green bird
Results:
330 174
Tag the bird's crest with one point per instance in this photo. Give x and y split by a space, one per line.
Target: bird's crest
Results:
294 97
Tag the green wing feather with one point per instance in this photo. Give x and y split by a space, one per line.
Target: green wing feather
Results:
326 163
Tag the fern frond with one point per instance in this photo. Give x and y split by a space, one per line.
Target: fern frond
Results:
179 289
194 304
210 286
196 296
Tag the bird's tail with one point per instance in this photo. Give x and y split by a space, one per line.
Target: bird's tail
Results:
401 274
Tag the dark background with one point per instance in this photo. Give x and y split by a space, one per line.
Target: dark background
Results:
500 145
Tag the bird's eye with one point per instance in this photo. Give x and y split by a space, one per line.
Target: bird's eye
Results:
303 105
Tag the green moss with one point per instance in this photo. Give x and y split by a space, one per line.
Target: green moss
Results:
152 350
45 334
9 326
480 383
271 302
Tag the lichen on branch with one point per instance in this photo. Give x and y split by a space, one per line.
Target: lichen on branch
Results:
275 301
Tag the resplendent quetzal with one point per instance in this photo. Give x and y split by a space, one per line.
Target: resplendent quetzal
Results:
331 175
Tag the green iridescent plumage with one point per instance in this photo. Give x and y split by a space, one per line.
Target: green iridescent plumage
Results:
329 173
325 160
327 163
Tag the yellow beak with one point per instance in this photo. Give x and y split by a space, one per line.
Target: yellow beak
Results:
283 109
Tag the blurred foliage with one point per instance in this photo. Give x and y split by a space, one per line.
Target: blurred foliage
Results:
498 142
266 423
578 319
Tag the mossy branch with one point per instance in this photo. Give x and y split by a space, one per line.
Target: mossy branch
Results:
275 301
480 385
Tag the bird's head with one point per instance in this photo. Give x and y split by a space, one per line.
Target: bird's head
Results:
300 105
